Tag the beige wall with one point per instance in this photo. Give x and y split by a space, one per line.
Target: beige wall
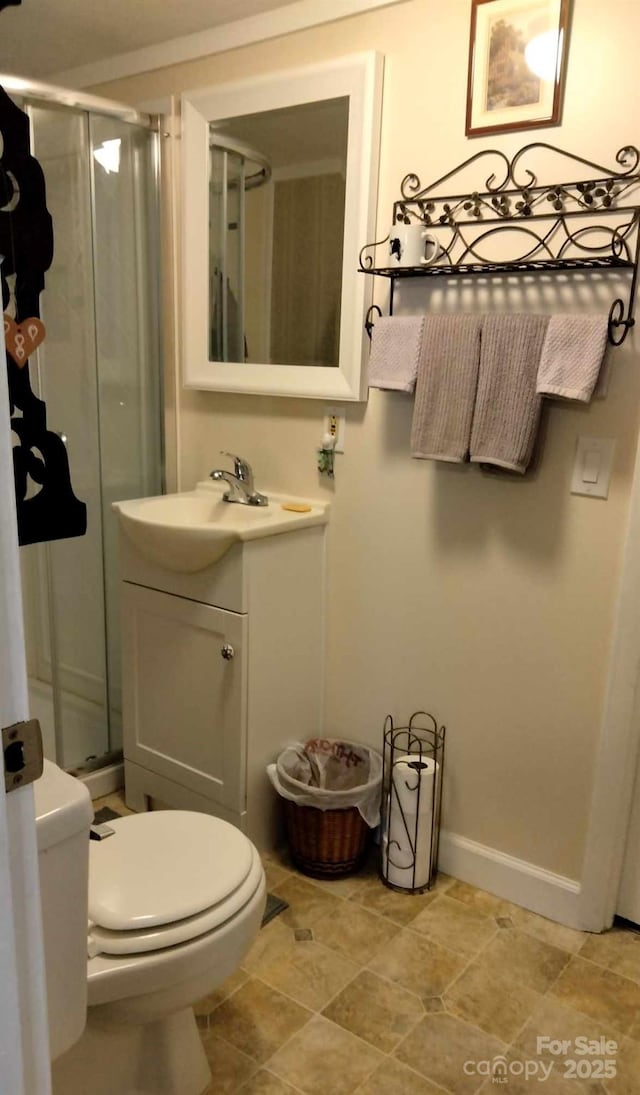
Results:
487 602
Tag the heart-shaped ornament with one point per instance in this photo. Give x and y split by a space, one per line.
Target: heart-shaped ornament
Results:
21 339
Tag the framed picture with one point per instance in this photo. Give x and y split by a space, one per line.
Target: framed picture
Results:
517 52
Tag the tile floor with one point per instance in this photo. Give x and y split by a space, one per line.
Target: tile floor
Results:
357 990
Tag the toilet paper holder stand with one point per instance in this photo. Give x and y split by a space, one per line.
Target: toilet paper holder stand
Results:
411 806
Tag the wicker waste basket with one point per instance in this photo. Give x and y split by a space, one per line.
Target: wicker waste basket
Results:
328 820
326 843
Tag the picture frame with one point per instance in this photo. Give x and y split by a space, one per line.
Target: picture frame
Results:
517 62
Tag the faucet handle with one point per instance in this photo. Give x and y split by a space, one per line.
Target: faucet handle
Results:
242 468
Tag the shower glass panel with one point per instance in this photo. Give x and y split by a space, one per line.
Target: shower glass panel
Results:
234 171
225 241
124 252
98 372
67 681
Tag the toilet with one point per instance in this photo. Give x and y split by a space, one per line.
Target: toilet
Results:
175 900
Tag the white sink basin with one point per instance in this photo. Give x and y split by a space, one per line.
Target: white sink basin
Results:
192 531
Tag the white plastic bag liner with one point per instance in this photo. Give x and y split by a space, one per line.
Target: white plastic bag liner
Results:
330 774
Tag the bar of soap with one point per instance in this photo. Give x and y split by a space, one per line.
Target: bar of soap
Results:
296 507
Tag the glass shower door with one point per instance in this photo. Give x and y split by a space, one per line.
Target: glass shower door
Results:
125 266
98 371
66 639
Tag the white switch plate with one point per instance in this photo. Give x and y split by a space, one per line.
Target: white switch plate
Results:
592 467
340 417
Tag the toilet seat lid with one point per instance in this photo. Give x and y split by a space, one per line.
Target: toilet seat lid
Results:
164 866
141 942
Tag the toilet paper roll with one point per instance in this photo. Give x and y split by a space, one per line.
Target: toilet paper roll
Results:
413 779
409 813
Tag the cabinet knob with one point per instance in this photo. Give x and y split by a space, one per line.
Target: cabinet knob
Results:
227 651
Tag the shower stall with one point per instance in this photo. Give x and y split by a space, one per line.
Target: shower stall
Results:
98 372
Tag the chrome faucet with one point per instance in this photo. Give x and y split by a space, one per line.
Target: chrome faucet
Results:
239 482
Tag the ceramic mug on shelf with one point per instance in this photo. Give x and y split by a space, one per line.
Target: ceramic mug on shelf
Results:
412 245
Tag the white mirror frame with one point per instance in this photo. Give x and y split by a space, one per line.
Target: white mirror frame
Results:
360 78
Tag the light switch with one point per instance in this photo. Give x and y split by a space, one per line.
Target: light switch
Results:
592 468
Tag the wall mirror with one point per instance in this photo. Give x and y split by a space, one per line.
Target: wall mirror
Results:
279 187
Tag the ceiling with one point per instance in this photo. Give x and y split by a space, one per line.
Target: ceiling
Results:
42 37
294 134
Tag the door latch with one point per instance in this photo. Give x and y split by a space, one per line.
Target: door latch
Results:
22 751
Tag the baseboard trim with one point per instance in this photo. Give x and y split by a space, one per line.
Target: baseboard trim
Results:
523 883
104 781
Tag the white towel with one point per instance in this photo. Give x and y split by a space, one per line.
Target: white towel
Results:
507 410
446 388
396 342
572 356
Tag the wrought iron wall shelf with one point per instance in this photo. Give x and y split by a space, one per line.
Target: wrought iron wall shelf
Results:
592 224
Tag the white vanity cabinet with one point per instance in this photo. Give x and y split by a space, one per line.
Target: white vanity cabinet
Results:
221 669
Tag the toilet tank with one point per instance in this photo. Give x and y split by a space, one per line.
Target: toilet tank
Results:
63 816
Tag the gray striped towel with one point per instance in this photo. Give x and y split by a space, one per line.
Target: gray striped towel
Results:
446 388
507 410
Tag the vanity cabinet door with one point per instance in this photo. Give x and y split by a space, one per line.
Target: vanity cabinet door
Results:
184 692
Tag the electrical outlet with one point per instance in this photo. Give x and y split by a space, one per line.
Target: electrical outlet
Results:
334 424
